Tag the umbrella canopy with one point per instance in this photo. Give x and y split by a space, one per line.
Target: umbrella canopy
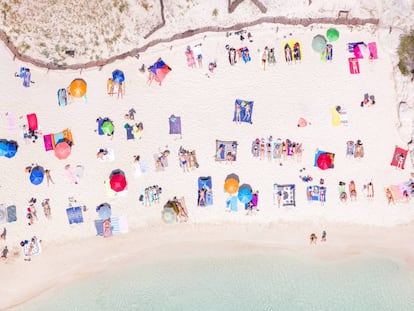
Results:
8 148
245 193
104 211
3 147
168 215
62 150
319 43
231 185
235 176
324 161
37 175
118 76
117 180
107 128
77 88
332 34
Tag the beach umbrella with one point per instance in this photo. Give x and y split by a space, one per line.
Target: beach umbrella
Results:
117 180
234 176
4 148
245 193
324 161
332 34
62 150
118 76
104 211
231 185
37 175
77 88
168 215
11 149
107 128
302 122
319 43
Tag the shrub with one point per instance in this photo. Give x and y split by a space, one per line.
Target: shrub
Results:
215 12
406 54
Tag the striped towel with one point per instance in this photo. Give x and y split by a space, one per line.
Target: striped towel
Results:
119 224
115 225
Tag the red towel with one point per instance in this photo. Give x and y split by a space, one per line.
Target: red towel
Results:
353 65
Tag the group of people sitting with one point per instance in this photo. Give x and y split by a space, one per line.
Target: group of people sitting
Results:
369 100
354 149
151 194
278 150
343 195
187 159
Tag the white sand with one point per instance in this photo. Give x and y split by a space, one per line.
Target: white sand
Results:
282 94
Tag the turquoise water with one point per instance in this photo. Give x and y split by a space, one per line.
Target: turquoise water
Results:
260 281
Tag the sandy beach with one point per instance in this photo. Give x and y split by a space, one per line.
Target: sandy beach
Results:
282 94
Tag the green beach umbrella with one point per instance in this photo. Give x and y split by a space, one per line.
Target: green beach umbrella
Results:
107 128
319 43
332 34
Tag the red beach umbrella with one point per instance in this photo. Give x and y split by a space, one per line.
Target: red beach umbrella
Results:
118 181
62 150
324 161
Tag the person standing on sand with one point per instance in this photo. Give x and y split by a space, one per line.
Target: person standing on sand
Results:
4 234
313 238
323 238
48 177
4 253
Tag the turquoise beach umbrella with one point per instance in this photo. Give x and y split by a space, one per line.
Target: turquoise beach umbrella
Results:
319 43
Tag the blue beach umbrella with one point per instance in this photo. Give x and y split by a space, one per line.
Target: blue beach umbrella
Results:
104 211
245 193
37 175
3 147
11 149
118 76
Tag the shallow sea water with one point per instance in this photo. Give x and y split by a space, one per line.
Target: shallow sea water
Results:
258 281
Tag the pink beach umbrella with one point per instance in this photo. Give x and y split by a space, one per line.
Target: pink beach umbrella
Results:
62 150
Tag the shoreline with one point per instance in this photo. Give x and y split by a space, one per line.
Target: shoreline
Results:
74 261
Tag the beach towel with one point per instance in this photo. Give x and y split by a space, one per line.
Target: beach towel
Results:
175 124
231 203
99 227
397 194
358 52
74 215
62 97
287 50
128 129
409 186
58 138
11 213
48 142
353 65
32 121
67 136
287 192
335 117
313 193
119 225
27 78
100 121
327 54
352 45
225 148
297 51
3 214
111 193
399 157
71 173
343 117
36 250
245 54
372 47
243 111
205 184
11 121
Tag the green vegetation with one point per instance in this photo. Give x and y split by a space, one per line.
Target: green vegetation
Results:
215 12
406 54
